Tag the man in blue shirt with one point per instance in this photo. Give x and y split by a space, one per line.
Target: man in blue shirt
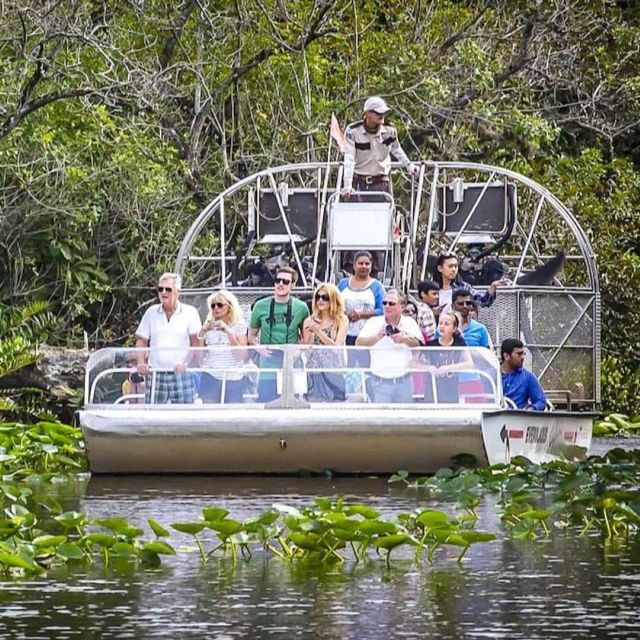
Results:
475 334
518 384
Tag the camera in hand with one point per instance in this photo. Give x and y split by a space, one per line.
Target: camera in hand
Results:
136 377
391 331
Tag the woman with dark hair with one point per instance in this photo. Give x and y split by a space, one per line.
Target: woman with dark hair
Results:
447 276
443 363
362 296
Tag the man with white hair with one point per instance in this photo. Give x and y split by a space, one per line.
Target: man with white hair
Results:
368 147
169 329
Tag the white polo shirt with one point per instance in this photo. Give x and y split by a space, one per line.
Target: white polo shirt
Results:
168 334
388 358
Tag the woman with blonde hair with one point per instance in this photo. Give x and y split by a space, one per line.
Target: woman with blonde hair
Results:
223 329
326 326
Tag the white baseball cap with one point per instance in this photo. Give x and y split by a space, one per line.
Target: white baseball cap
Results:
377 104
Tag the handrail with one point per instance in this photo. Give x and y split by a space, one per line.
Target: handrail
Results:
435 166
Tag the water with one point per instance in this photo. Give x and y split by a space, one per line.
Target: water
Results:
564 587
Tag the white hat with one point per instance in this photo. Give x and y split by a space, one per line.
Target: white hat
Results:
377 104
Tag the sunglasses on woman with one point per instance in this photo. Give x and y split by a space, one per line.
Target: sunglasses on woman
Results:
165 289
322 296
218 305
409 312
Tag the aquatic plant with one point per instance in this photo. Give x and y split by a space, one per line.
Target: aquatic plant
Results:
598 494
45 447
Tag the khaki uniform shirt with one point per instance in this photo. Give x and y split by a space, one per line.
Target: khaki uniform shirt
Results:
369 154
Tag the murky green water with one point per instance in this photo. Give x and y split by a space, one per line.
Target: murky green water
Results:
564 587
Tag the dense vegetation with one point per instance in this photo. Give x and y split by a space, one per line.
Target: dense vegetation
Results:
120 120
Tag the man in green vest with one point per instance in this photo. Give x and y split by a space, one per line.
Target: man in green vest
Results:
276 320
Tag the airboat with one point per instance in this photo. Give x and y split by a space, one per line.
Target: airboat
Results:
497 221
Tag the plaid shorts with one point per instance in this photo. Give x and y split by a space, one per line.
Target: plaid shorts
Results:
176 388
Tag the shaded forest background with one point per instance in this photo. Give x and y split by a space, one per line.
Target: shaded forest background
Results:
121 119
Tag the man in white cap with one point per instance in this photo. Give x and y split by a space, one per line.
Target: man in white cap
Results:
368 147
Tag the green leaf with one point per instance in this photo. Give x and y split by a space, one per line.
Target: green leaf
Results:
12 560
226 527
376 527
157 528
159 547
101 539
48 541
391 542
362 510
117 525
70 519
434 519
192 528
71 551
214 513
307 541
123 549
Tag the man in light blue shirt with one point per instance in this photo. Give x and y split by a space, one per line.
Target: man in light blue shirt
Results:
475 334
518 384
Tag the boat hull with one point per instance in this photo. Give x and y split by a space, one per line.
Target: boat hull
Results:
287 441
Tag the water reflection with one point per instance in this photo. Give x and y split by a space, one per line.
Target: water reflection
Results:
558 588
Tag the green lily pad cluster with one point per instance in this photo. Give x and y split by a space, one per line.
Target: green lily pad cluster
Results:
327 530
616 424
599 494
36 534
45 447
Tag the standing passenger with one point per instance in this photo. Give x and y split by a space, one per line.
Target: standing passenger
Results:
276 320
224 328
169 329
391 338
446 275
326 327
362 296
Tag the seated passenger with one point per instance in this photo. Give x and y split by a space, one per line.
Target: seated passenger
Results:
475 334
327 326
223 328
518 384
443 363
391 338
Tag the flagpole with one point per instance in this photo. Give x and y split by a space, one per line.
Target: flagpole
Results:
323 202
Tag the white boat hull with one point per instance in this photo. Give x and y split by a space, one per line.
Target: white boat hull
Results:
359 439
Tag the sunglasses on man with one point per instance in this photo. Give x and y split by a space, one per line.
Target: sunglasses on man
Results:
282 281
165 289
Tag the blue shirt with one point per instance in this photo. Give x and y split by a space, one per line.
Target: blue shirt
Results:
523 388
475 334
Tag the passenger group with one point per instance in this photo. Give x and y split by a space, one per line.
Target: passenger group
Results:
393 367
358 312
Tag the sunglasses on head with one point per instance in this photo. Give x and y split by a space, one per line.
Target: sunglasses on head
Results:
165 289
323 296
389 303
218 305
282 281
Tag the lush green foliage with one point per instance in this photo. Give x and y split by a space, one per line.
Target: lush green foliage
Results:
46 447
121 120
598 495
